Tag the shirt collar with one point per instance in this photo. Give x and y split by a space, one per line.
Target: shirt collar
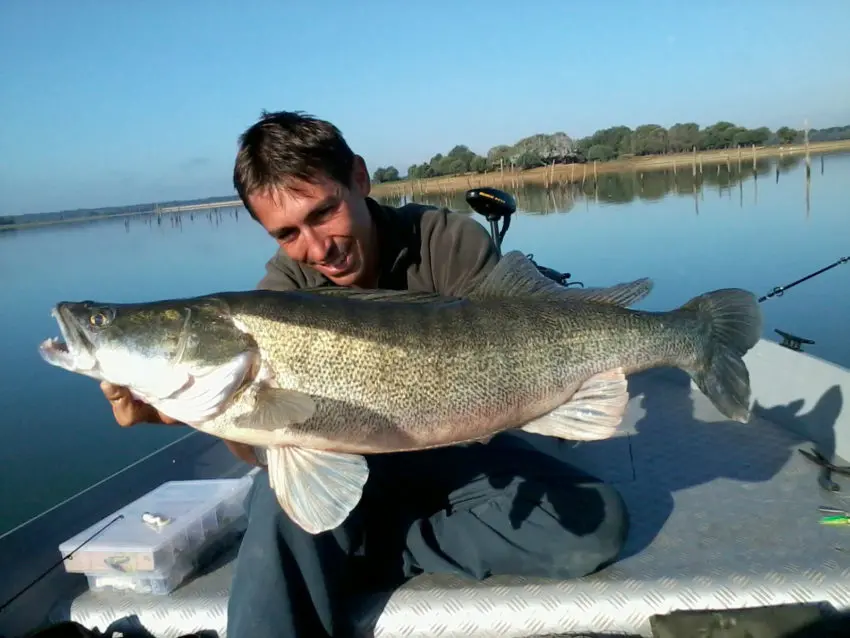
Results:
397 244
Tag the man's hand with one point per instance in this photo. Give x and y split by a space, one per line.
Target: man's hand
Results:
243 452
129 411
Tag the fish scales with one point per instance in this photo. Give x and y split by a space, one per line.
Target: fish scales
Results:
398 375
389 377
321 377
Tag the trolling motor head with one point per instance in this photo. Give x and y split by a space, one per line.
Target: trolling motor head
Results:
495 204
491 203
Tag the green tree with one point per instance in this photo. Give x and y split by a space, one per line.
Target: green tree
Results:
478 164
649 139
600 153
388 174
748 137
683 137
529 159
499 153
617 138
787 135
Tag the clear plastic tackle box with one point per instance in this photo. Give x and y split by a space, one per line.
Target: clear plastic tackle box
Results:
154 543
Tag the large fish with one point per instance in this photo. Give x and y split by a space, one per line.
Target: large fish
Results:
324 376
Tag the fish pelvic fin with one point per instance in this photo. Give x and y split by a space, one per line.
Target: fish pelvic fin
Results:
594 412
732 320
316 489
514 275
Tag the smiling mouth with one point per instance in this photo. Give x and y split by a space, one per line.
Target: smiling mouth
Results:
340 264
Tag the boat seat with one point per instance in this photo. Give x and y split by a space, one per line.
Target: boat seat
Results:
723 515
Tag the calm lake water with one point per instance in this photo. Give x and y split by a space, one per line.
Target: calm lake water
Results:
732 229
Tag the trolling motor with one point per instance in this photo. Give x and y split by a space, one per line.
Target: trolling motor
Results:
496 205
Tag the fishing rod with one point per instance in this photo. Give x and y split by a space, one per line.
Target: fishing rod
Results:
790 341
780 290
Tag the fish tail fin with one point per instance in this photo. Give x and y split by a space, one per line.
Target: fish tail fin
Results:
730 323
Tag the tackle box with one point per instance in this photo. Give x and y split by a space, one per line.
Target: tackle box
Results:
154 543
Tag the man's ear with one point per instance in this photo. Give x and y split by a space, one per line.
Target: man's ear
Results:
360 181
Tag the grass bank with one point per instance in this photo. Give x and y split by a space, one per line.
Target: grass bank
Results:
561 173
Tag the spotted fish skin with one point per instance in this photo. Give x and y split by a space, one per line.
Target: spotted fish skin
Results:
321 377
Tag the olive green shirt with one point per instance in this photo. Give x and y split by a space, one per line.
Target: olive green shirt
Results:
422 249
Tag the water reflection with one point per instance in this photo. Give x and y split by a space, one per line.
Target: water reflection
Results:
691 180
214 217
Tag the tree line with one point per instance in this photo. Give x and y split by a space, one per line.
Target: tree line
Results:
616 142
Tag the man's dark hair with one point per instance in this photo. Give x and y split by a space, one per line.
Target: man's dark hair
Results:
289 145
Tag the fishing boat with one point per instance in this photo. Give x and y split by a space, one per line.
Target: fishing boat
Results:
726 518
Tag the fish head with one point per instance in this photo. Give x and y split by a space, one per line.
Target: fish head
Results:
162 351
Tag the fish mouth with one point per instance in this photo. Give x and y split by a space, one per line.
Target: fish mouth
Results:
71 350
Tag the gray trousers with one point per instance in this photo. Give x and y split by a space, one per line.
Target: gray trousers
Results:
475 511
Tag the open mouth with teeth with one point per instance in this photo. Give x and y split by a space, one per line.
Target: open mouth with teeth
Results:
69 351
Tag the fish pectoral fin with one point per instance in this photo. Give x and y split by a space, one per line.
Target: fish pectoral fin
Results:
317 489
514 275
594 412
274 407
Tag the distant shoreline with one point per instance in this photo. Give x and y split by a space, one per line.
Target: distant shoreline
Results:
545 175
163 210
561 173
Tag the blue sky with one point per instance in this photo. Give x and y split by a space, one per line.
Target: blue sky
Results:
110 103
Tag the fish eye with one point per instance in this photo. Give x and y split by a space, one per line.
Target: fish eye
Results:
99 319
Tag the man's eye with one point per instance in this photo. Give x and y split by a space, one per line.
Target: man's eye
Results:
325 213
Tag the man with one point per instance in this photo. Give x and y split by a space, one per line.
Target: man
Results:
475 510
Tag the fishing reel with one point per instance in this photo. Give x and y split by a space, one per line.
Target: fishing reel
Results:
496 205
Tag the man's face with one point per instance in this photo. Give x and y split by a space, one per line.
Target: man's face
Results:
325 226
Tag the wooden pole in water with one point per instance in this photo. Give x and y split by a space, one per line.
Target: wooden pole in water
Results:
694 165
806 140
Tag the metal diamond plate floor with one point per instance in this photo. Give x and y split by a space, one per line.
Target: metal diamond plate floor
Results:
723 515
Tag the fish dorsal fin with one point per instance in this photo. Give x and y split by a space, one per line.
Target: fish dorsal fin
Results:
397 296
516 276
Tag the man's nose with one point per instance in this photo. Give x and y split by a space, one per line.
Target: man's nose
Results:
317 246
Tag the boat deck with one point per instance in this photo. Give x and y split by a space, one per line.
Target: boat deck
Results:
723 515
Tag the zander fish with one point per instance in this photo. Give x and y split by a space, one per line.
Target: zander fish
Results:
324 376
